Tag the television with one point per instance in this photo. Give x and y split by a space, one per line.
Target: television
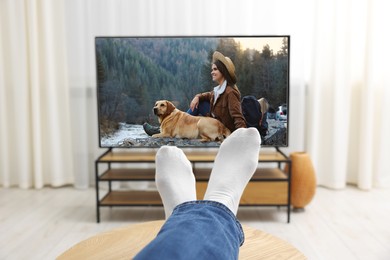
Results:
135 72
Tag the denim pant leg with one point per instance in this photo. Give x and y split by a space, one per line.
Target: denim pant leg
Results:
202 110
197 230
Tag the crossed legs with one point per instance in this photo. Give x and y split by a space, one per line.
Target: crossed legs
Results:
234 165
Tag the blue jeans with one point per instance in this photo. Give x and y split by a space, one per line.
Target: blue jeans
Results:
202 110
197 230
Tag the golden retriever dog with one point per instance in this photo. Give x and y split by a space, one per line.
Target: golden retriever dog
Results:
179 124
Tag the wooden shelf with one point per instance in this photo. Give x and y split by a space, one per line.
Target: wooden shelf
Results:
146 156
194 156
131 198
270 174
256 193
261 174
267 187
201 174
123 174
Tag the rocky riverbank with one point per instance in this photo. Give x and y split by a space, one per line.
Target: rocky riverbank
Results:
277 135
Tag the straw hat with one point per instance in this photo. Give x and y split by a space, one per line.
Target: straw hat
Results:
227 62
264 105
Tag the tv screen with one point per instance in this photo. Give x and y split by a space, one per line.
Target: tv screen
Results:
138 75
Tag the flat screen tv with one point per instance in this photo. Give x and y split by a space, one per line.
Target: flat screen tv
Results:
135 72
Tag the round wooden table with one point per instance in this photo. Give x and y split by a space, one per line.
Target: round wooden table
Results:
126 242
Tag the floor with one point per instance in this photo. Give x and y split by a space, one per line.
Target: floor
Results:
342 224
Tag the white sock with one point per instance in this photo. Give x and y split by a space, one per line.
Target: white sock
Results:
234 166
174 178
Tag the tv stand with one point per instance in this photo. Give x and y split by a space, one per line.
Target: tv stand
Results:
269 186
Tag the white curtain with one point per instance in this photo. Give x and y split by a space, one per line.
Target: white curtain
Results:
349 93
338 88
35 128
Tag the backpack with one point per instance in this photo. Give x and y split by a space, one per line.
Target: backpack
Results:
252 113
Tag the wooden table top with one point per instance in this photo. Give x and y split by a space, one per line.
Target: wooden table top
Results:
194 156
126 242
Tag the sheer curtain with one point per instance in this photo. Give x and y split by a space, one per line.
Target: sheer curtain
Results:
35 128
349 94
338 88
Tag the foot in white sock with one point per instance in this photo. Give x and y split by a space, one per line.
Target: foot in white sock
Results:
234 166
174 178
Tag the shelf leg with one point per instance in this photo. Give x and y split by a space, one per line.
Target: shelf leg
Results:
97 192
